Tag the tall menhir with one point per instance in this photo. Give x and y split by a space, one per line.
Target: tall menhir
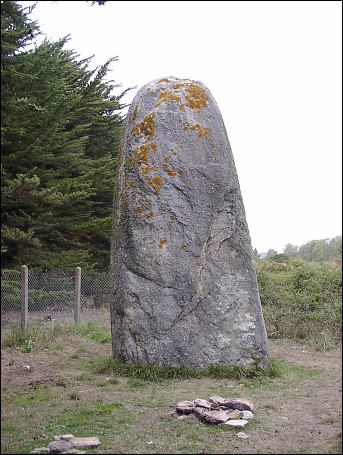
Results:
184 283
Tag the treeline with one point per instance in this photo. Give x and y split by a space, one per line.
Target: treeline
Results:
313 251
60 132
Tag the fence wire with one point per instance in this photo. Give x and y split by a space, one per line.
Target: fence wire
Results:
51 296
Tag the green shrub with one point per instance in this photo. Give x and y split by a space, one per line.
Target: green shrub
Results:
301 300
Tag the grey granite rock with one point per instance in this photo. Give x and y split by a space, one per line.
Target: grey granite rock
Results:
241 423
241 404
185 407
184 284
41 450
86 443
59 446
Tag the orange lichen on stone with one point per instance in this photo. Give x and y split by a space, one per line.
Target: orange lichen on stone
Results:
156 183
179 85
166 158
167 96
146 127
182 247
150 215
162 242
202 132
141 154
172 173
145 170
196 97
162 80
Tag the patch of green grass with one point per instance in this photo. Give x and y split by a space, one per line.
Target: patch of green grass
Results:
113 381
33 397
56 347
74 395
74 356
330 419
84 377
92 331
135 383
154 373
33 335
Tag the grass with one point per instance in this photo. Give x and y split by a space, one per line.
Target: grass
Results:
133 415
153 373
92 331
38 336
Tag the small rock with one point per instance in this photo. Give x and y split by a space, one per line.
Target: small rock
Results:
90 443
246 415
234 423
234 414
199 412
202 403
59 446
219 400
214 416
75 451
27 367
242 405
242 435
66 437
185 407
41 450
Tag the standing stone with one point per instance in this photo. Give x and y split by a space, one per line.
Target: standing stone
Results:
184 283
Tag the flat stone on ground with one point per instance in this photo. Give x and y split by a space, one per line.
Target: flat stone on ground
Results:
214 416
74 451
234 423
242 435
202 403
59 446
219 400
185 407
41 450
90 443
242 405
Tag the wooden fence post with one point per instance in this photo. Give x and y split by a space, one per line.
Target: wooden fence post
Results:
77 303
24 303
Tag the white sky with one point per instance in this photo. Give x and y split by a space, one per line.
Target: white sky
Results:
275 70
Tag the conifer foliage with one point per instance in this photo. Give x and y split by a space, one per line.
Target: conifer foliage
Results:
60 132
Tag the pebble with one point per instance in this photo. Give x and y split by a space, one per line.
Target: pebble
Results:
246 415
242 435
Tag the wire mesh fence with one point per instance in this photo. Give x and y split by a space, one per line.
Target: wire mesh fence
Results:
51 296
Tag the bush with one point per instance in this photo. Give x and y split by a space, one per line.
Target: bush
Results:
301 300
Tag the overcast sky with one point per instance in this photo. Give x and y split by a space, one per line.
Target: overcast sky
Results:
275 70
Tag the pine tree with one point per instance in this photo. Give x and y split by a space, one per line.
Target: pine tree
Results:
61 128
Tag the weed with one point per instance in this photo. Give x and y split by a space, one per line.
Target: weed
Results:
26 346
92 331
74 395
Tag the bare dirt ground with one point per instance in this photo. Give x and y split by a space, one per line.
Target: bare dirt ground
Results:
297 413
